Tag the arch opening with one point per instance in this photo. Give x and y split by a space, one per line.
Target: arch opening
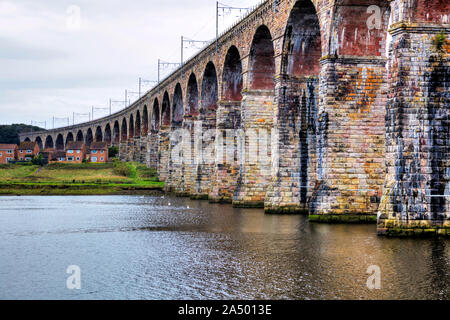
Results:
59 142
39 142
49 143
131 128
192 96
302 42
69 138
116 132
138 124
98 134
80 137
108 135
300 67
156 121
177 108
209 95
232 76
145 121
89 137
166 110
124 130
262 61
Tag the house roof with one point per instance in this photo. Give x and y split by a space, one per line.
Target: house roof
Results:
58 154
98 146
27 145
78 145
8 146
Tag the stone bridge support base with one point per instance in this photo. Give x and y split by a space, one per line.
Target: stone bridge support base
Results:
416 197
179 157
350 140
163 154
152 151
227 165
256 168
294 147
124 151
204 159
186 182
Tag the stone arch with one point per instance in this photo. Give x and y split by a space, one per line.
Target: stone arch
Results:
165 110
177 108
192 96
209 99
228 121
209 94
232 76
137 127
80 136
302 48
27 140
98 134
49 142
59 142
116 132
69 138
156 121
39 142
262 60
89 137
131 128
108 134
296 110
145 121
124 131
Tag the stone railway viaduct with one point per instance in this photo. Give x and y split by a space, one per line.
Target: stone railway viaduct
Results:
357 92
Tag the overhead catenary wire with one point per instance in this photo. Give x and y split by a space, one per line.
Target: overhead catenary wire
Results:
175 67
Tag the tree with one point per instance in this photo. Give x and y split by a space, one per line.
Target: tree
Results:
113 152
10 133
38 160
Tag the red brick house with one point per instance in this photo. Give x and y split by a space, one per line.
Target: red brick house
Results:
8 153
58 157
27 151
75 152
98 152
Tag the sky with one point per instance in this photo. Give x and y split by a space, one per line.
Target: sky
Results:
58 57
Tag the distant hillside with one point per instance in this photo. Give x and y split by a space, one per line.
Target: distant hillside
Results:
10 133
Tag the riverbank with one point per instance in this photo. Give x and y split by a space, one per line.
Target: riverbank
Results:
79 179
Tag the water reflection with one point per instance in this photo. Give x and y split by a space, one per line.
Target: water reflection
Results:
171 248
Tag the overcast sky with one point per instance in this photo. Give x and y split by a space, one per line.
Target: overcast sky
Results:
53 64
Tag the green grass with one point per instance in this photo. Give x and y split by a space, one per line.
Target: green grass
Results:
78 179
10 172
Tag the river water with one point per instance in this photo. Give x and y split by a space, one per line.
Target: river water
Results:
134 247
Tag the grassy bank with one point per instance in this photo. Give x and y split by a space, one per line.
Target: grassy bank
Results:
79 179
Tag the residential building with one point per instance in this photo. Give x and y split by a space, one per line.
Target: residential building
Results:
58 157
98 152
75 152
8 153
27 151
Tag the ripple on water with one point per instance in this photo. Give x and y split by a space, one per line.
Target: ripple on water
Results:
143 248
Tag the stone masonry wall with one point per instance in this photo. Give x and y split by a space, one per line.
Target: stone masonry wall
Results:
416 198
350 147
